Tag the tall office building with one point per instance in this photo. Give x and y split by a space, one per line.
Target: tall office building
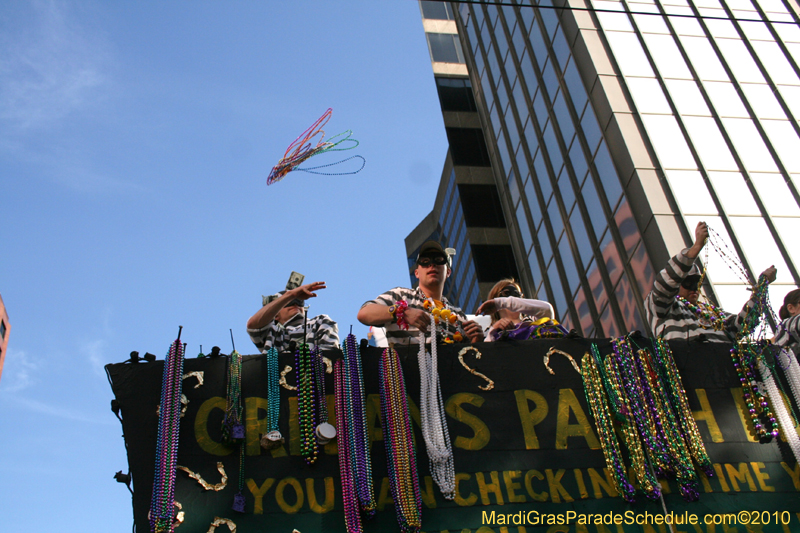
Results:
614 127
467 213
5 329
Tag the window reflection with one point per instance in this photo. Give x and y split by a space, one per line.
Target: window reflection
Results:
785 141
629 54
627 227
687 97
584 315
776 196
642 269
733 193
708 142
666 56
558 300
759 246
524 228
749 145
668 140
691 192
611 258
627 306
703 58
648 96
740 61
568 259
779 69
593 206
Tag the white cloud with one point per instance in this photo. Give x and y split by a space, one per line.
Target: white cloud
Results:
50 67
94 351
56 411
18 371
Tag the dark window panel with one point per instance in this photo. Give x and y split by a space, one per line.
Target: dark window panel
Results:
436 10
482 207
455 94
467 147
444 48
494 262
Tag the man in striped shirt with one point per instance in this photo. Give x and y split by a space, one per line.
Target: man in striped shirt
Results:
282 320
432 270
671 306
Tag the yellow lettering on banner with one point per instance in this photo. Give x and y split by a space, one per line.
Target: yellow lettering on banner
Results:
460 500
568 402
485 488
761 477
204 440
374 418
427 494
599 483
721 477
794 473
257 426
480 432
294 427
556 489
298 490
258 493
511 486
327 505
742 474
383 496
741 409
529 418
707 415
581 484
538 496
485 529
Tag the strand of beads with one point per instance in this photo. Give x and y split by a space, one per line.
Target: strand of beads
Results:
232 426
273 438
619 368
682 433
596 398
756 402
359 440
432 416
445 319
658 450
400 452
708 316
306 403
786 360
161 507
352 516
780 410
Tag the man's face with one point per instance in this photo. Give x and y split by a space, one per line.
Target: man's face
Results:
432 269
688 290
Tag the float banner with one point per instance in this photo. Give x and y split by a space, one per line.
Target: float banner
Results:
527 455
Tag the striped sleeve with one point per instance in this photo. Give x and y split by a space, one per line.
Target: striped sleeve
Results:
788 335
326 332
265 337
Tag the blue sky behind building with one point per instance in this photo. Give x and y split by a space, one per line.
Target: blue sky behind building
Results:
135 141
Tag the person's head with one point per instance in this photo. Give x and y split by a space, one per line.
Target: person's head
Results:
791 305
432 267
689 288
289 310
503 288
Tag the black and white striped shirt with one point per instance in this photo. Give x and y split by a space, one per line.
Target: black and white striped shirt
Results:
320 330
788 335
672 320
414 298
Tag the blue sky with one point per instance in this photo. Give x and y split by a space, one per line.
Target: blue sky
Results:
135 142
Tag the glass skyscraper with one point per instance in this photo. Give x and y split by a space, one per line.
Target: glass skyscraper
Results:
614 127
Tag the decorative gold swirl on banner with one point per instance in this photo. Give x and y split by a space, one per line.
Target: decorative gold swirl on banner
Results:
196 374
463 351
219 521
552 351
184 403
328 368
205 484
283 382
179 518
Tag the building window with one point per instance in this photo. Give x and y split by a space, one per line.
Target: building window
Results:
2 329
436 10
445 48
455 94
467 147
494 262
481 205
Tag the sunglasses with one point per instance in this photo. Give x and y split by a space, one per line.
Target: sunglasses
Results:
510 290
435 260
690 283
